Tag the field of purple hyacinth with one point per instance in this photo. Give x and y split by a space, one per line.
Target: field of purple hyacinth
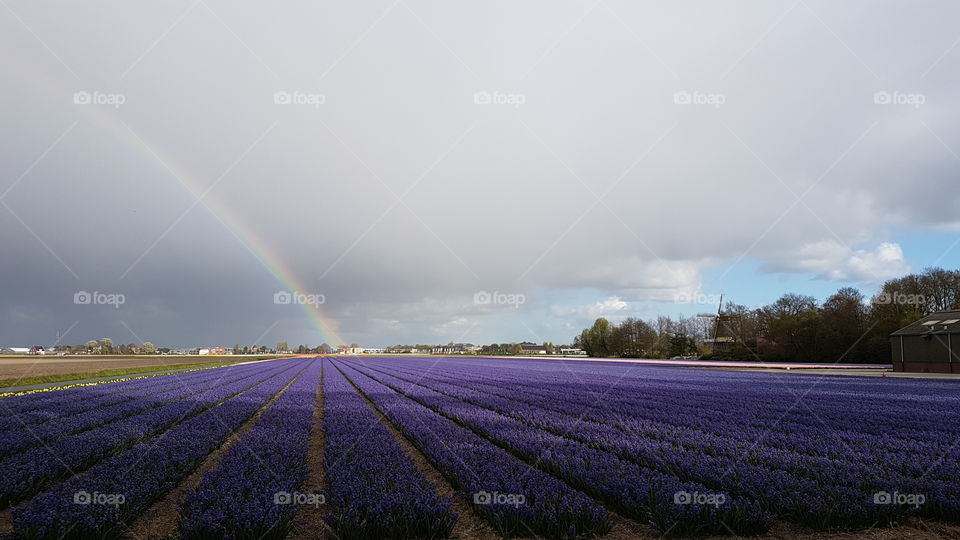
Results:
416 447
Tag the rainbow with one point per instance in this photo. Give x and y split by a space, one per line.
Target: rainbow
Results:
105 117
243 232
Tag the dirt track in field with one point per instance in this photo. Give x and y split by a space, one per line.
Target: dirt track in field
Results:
309 523
913 530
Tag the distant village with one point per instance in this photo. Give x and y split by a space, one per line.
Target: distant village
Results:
106 346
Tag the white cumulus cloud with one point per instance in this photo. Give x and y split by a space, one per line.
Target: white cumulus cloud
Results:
831 260
610 306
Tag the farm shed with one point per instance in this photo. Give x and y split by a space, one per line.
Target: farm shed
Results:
930 345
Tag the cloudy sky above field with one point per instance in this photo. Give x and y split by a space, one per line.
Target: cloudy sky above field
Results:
400 159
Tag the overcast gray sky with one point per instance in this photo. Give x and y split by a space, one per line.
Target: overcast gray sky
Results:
398 160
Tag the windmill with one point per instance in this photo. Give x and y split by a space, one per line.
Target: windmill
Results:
718 319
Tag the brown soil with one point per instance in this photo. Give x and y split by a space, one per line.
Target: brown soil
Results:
309 523
162 518
468 526
913 529
625 529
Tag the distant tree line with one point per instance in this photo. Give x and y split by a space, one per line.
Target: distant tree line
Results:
847 327
635 338
511 349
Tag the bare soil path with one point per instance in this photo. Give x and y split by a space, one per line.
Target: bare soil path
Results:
309 524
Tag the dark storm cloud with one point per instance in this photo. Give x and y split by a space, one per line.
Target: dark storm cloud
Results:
398 158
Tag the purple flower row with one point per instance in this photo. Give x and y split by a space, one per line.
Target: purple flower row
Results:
643 412
515 498
63 403
763 401
846 458
250 493
29 472
916 407
639 492
375 489
793 470
800 499
42 401
135 402
111 494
